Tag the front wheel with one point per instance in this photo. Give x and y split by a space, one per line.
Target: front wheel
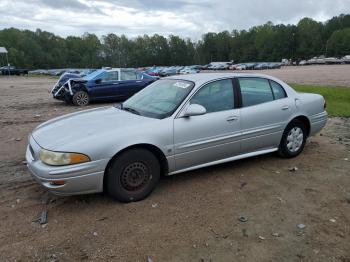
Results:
293 140
133 175
81 98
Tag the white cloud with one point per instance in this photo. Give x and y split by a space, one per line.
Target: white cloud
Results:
187 18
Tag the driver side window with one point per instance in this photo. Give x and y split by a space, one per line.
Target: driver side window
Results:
216 96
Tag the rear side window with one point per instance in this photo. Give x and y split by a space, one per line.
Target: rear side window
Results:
255 91
128 75
216 96
278 90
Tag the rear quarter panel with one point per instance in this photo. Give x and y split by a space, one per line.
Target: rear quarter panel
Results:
312 106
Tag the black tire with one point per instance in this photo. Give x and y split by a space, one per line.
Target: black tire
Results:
81 98
291 144
133 175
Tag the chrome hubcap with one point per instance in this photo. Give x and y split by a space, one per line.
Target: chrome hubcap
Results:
295 139
82 99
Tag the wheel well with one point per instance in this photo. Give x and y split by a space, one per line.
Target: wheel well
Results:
79 87
155 150
305 121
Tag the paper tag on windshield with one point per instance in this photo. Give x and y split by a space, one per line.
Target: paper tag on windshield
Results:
181 84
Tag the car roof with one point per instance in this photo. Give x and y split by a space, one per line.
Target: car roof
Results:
202 78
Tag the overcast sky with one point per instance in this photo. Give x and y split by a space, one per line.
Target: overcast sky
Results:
187 18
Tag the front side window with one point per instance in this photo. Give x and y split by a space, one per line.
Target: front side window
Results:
128 75
255 91
160 99
216 96
278 90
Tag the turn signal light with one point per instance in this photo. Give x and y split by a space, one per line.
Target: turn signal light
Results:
57 183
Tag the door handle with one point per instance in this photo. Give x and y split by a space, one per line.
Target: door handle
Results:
115 83
285 108
232 118
138 81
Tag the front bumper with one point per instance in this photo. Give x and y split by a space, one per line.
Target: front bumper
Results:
82 178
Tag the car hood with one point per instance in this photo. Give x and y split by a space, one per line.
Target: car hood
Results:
87 125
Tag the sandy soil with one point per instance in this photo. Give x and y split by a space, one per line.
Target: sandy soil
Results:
324 75
189 217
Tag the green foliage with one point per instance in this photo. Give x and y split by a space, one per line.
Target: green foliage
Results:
337 98
267 42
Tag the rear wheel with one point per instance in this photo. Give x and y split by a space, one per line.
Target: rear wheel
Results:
293 139
81 98
133 175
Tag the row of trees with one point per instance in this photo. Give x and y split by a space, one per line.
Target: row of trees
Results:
267 42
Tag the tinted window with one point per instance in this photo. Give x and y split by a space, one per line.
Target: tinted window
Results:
278 90
110 76
128 75
255 91
216 96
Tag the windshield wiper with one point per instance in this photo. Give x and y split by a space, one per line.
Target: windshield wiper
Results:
131 110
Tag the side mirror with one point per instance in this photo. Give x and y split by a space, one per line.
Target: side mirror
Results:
98 81
195 110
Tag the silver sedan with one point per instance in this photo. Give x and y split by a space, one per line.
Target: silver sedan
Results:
176 124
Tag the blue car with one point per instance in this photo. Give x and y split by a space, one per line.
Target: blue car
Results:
101 86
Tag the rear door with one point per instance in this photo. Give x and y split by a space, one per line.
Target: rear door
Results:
212 136
265 111
131 82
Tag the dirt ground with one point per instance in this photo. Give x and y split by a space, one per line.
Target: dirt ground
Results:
336 75
189 217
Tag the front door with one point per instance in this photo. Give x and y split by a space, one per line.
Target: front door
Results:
212 136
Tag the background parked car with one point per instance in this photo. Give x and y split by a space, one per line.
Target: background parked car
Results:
102 85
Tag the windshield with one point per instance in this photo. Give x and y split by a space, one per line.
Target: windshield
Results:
93 74
160 99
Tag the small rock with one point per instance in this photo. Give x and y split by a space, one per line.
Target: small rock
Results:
154 205
43 218
277 172
301 226
261 238
244 232
24 162
18 200
346 159
95 234
149 259
243 219
18 139
293 169
281 199
194 246
36 116
276 235
44 225
243 184
206 244
333 220
13 206
316 251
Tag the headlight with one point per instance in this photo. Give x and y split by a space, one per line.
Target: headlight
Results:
61 158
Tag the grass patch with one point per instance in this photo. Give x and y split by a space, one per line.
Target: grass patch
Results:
337 98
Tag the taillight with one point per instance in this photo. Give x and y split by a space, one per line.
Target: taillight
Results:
324 104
